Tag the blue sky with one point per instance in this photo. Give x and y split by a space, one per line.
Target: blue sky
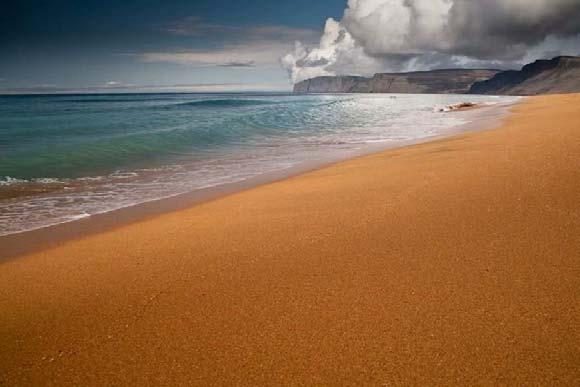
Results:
224 44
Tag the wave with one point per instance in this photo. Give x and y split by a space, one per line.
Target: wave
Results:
235 102
113 99
9 180
118 175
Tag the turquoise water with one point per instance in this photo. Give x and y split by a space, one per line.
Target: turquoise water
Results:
70 156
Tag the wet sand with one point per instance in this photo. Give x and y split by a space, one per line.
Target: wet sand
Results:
453 262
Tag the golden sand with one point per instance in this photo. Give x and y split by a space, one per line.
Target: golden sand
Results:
452 262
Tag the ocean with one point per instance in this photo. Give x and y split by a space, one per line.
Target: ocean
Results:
66 157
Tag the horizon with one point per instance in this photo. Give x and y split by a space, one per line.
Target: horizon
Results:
190 89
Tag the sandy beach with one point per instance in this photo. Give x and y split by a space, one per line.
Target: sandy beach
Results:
455 262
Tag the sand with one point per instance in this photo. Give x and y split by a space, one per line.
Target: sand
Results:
455 262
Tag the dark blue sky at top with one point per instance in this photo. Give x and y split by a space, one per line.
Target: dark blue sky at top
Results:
73 43
108 21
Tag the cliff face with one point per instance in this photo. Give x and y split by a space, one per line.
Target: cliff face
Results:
454 81
339 84
558 75
429 82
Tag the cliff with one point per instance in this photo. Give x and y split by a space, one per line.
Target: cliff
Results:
454 81
338 84
558 75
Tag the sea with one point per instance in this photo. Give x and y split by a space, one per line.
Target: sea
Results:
68 157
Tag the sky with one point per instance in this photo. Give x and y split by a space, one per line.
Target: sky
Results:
409 35
126 44
227 45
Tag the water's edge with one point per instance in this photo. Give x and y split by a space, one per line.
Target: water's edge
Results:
26 242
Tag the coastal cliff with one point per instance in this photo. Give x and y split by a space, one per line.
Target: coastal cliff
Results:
558 75
338 84
553 76
454 81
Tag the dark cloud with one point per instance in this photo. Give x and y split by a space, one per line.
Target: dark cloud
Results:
238 64
500 29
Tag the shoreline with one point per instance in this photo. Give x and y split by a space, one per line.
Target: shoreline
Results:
452 262
487 117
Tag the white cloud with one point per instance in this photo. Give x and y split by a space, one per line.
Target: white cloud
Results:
244 55
337 50
244 47
397 35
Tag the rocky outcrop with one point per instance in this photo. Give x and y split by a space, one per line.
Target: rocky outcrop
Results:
454 81
558 75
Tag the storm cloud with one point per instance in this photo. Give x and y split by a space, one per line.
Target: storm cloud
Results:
400 35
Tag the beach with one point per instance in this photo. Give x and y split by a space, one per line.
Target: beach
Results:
453 262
